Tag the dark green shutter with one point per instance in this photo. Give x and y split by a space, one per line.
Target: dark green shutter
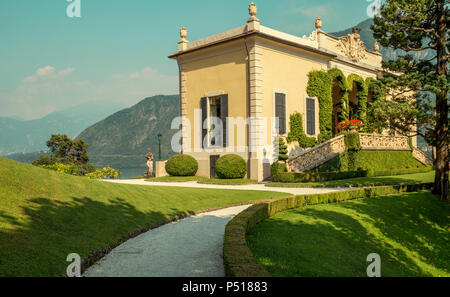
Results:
280 111
311 116
223 117
204 103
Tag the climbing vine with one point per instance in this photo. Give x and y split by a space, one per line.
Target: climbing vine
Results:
297 132
320 86
362 93
343 86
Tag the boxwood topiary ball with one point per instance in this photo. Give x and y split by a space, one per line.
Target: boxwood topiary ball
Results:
182 165
231 167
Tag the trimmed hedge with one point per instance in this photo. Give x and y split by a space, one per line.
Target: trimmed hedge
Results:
182 165
352 142
231 167
277 168
237 257
289 177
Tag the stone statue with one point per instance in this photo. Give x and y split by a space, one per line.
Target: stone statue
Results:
149 157
376 47
183 33
352 46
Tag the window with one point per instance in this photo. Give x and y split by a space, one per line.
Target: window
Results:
280 112
214 108
310 116
214 112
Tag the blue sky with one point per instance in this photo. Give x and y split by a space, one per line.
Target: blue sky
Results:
117 51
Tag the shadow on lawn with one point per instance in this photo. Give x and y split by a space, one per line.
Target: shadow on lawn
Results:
53 229
318 241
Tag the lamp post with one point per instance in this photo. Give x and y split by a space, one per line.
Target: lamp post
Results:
159 143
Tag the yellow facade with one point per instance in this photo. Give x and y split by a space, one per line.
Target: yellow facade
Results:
249 65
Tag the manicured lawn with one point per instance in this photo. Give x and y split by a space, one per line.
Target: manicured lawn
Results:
427 177
411 233
228 181
44 215
174 179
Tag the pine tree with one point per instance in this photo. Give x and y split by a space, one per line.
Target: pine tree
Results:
420 89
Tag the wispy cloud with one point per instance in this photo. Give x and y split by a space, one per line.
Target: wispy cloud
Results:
45 71
50 89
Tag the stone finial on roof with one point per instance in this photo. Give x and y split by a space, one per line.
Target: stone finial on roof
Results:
183 33
318 23
252 10
182 44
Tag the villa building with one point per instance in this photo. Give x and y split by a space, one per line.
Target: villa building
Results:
256 74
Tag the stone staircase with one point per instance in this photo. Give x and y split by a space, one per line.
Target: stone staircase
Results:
326 151
318 155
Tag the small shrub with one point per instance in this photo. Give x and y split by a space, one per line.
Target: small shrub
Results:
231 167
72 169
182 165
277 168
106 172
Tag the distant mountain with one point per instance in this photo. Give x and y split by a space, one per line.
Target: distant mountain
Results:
122 139
369 41
18 136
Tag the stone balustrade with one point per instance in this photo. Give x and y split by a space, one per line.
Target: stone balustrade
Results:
384 142
422 157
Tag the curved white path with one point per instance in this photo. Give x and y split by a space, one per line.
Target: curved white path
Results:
191 247
254 187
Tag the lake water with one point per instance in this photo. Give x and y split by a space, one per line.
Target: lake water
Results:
132 172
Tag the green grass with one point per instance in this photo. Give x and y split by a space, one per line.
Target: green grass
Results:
228 181
426 177
174 179
376 160
44 215
411 233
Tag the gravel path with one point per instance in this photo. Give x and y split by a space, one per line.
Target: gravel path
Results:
191 247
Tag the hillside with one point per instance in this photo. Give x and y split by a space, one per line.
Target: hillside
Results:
20 136
45 215
122 139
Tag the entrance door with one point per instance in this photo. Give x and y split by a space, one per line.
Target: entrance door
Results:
212 164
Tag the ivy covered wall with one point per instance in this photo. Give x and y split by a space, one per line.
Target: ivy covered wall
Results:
320 85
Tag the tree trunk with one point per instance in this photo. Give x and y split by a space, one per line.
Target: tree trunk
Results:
442 156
